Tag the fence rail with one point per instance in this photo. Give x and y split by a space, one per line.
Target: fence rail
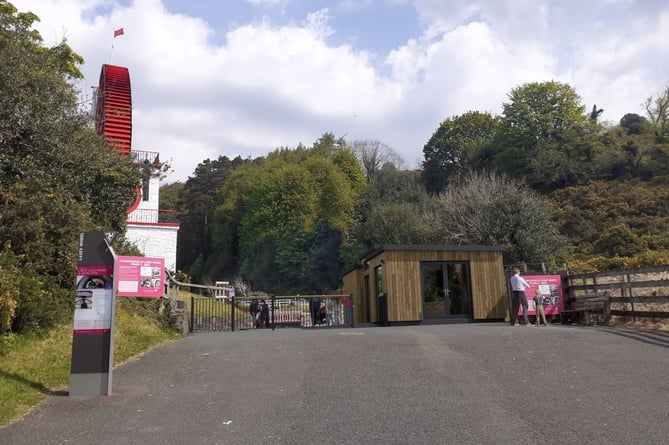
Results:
237 313
635 293
152 216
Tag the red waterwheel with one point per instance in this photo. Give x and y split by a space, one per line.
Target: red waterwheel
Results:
114 113
114 107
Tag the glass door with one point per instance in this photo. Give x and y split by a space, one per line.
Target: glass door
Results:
446 290
434 292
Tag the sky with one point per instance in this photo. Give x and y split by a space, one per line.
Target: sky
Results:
245 77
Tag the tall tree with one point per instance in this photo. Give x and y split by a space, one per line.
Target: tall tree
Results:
57 176
658 112
536 113
569 160
373 155
633 123
169 195
389 212
196 206
453 147
292 214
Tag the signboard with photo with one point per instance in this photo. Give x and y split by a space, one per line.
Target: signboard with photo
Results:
140 277
550 292
93 299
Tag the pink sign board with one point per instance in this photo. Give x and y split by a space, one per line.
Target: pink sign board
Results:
550 287
140 277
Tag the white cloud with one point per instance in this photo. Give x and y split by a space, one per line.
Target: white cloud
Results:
202 92
267 2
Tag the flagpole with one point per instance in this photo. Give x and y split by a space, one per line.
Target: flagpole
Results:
117 32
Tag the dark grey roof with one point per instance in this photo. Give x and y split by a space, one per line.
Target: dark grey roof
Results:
430 247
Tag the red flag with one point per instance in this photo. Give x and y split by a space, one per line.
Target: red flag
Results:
118 32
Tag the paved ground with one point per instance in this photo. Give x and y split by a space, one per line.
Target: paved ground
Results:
438 384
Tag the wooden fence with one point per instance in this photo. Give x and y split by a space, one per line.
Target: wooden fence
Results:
635 293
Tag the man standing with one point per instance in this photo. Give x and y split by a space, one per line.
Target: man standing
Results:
254 310
264 315
518 286
314 309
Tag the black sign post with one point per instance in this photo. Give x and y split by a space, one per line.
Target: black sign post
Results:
93 333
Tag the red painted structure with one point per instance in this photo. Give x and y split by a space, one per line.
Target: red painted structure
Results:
114 122
114 107
114 113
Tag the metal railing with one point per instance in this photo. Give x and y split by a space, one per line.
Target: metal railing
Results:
151 216
241 313
145 157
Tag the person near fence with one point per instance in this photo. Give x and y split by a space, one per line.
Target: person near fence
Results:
322 315
264 314
348 310
518 286
337 311
314 308
330 311
539 307
254 310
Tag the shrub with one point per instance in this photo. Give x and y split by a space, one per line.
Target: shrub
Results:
9 292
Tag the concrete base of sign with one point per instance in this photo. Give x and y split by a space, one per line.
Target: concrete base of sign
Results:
89 384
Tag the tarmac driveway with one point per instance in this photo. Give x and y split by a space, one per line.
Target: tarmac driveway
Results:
438 384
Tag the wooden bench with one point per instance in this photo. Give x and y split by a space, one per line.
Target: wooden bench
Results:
587 308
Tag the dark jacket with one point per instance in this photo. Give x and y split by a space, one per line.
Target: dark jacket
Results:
254 306
264 311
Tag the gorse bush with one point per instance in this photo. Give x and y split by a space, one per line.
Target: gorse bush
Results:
9 291
27 301
602 263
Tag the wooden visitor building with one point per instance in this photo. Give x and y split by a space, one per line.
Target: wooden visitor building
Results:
421 283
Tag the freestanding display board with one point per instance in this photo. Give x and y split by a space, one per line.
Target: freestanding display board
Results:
140 277
93 333
550 292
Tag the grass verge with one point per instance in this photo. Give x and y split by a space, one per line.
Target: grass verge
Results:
33 366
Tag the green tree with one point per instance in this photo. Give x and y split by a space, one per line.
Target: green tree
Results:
391 185
196 203
633 123
372 155
388 212
392 223
291 215
453 148
658 112
570 160
169 196
57 176
626 155
229 209
536 113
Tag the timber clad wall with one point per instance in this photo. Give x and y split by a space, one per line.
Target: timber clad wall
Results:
354 285
402 281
